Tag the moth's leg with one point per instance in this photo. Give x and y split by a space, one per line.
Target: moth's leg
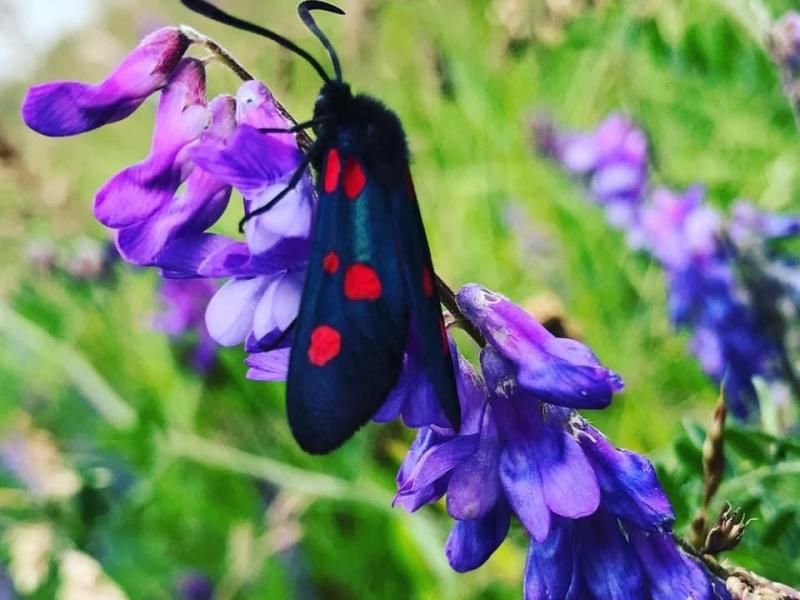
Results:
296 177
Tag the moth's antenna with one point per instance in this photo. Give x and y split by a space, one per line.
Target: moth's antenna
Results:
212 12
304 10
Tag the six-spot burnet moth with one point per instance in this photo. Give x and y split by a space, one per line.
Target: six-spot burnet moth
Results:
370 294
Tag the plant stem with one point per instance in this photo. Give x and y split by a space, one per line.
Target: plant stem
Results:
448 297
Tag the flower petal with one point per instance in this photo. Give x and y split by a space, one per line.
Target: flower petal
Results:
251 161
290 217
256 107
438 460
474 487
542 467
471 543
69 107
137 192
184 256
520 478
278 306
671 573
229 316
550 565
556 370
268 366
628 481
607 561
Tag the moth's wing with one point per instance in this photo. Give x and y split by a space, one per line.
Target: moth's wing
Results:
351 330
423 296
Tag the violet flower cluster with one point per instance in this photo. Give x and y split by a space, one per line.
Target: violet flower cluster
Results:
161 208
598 521
697 248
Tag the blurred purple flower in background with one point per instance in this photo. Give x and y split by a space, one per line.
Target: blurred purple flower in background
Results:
184 305
696 247
611 161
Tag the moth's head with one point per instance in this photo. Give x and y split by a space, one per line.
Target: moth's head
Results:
333 103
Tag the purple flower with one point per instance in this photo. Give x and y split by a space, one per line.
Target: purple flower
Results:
190 212
262 301
598 519
603 557
749 226
185 303
705 295
556 370
263 307
691 241
611 160
260 165
67 107
543 470
181 117
682 231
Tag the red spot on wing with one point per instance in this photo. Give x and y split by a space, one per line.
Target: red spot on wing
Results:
326 343
354 178
333 167
362 283
427 281
330 262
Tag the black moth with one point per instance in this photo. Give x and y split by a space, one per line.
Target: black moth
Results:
370 305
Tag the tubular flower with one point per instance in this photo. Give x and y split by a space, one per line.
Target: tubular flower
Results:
560 371
62 108
181 117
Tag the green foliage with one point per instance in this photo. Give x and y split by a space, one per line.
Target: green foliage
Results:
170 463
762 474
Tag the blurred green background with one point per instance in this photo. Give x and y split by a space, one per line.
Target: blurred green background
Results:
163 472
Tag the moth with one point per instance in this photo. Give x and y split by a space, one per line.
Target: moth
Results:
370 291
